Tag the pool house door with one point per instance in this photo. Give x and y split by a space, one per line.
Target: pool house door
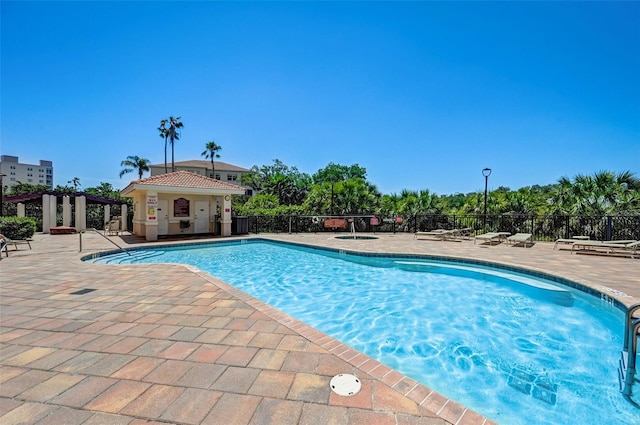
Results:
163 217
201 218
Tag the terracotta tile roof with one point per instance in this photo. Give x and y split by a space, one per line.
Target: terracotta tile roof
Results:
201 163
183 179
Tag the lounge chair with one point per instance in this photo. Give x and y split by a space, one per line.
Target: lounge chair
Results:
112 227
619 247
3 246
570 241
520 238
438 234
464 233
491 237
16 242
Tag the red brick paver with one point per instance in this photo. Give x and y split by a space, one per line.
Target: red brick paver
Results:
153 342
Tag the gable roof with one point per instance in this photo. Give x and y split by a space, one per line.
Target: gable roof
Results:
201 163
183 181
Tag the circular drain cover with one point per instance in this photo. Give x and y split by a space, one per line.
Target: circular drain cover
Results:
345 384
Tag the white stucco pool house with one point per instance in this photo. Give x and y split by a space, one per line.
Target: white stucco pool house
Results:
180 203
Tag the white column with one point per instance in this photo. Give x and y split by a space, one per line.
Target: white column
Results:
80 219
107 214
46 223
226 216
53 210
76 214
83 213
123 217
21 210
66 211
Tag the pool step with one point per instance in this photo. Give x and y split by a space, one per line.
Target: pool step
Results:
622 369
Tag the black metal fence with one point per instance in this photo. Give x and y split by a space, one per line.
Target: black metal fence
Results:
94 214
543 228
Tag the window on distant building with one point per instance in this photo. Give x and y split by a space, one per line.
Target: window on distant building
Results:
248 192
217 176
232 177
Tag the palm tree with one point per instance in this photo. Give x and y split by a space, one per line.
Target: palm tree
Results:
75 182
164 133
174 125
211 151
134 163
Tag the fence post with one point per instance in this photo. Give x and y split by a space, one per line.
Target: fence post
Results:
533 220
608 230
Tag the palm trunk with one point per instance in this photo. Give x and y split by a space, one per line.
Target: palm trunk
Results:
165 156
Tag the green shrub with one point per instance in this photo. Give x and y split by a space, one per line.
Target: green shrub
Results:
17 227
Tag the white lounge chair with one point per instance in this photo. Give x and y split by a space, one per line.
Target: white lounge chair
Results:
569 241
464 233
619 247
16 242
491 237
112 227
520 238
3 247
438 234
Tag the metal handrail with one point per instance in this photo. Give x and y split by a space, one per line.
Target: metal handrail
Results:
98 232
630 311
631 332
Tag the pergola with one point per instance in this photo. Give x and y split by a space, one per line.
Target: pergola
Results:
50 200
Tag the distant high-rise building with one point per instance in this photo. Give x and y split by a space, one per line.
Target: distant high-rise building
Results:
16 172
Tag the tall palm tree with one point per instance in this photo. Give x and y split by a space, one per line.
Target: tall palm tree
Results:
164 134
134 163
174 125
75 182
211 151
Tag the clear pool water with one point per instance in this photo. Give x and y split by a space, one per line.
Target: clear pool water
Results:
516 349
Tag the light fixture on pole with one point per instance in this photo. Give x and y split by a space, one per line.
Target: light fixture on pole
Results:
486 172
2 195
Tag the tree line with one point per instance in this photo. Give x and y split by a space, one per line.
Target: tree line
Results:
344 190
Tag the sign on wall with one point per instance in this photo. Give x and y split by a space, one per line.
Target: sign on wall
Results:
152 206
181 207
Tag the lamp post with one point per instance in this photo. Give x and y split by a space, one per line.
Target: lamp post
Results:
2 195
332 199
486 172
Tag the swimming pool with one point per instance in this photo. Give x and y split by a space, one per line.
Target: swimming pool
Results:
516 349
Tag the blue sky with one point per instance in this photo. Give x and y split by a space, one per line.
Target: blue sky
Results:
424 95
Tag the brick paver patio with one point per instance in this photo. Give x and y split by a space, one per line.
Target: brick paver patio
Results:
148 344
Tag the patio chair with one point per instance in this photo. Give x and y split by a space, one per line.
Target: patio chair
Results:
15 242
619 247
520 238
464 233
491 237
112 227
438 234
569 241
3 246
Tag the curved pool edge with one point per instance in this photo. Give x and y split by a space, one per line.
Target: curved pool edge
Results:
428 400
408 387
607 294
